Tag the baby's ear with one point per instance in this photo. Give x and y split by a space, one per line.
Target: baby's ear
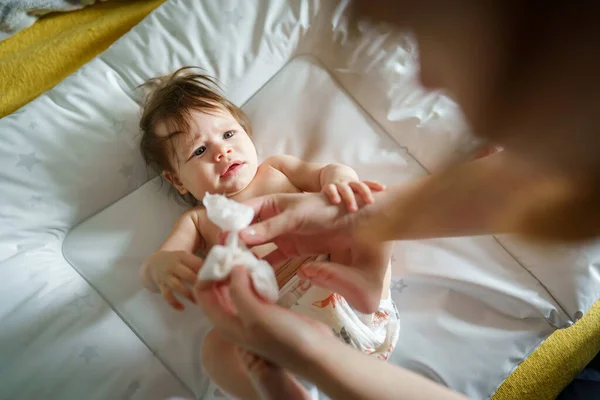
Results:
174 181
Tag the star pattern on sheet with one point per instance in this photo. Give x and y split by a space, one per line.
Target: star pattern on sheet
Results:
131 389
233 16
35 201
117 124
399 285
33 125
126 170
211 51
88 353
81 301
28 160
136 62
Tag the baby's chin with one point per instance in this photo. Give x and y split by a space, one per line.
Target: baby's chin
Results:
231 189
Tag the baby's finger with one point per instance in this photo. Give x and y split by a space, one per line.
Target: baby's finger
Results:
170 298
363 191
186 274
193 261
176 285
332 194
348 196
376 186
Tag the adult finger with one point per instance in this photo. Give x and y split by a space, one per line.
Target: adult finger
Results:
243 296
363 191
276 257
264 206
348 197
175 284
267 230
170 298
360 292
208 298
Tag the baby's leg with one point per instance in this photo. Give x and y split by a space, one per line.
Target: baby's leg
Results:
361 274
224 364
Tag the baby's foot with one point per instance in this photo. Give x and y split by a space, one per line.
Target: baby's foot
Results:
361 289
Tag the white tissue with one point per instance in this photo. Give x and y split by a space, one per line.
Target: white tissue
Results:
232 216
229 215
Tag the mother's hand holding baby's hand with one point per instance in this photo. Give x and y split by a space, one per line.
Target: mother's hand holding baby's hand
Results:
281 336
299 224
347 192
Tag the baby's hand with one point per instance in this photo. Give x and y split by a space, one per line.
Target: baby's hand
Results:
170 271
347 190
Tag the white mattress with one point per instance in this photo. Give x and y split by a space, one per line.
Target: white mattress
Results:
79 211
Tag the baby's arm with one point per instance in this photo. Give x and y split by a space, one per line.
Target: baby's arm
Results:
174 263
339 182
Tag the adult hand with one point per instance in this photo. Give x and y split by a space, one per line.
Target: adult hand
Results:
306 348
308 224
285 338
299 224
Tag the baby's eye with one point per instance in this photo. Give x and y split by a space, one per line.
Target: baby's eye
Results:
199 151
228 134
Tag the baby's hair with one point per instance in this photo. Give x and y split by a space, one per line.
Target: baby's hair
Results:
170 101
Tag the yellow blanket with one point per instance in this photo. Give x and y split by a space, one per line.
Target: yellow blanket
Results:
36 59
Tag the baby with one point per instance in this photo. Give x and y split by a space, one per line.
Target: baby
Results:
201 143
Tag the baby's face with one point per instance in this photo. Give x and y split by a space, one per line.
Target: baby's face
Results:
215 156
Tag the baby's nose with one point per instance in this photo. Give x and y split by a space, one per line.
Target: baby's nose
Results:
221 152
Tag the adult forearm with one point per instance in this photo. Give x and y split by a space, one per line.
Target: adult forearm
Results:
342 372
471 199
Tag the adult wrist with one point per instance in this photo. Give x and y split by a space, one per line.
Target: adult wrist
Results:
317 362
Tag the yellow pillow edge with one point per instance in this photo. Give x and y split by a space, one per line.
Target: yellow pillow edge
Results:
556 362
39 57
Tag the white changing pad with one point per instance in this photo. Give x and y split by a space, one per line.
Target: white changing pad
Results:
79 324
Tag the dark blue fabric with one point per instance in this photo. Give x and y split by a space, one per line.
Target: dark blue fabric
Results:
586 386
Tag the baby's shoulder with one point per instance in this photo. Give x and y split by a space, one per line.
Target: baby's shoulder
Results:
207 230
279 160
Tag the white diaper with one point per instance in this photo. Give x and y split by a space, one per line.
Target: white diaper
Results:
374 334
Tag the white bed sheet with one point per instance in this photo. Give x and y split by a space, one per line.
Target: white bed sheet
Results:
72 152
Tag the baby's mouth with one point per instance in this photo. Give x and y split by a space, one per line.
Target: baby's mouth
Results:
231 169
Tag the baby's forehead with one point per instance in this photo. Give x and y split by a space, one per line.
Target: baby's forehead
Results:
193 122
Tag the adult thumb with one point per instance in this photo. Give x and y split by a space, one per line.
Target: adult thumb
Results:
360 290
267 230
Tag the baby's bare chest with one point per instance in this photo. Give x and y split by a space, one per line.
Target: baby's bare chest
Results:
267 181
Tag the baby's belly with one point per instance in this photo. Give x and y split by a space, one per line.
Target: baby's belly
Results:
287 270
